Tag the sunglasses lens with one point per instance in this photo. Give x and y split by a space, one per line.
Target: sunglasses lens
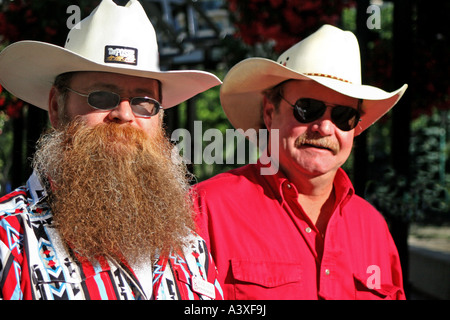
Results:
141 106
103 100
345 118
145 107
308 110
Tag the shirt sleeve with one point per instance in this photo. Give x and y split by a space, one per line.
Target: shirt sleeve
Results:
10 261
396 270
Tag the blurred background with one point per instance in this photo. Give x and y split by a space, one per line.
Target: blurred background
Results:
400 164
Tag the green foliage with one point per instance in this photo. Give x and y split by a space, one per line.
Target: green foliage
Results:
423 196
209 113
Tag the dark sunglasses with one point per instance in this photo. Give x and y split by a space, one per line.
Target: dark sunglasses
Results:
307 110
104 100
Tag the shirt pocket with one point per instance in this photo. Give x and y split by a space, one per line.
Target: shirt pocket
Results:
264 279
379 292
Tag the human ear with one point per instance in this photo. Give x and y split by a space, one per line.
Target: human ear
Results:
53 107
268 111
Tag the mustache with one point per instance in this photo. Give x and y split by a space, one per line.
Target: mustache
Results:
318 141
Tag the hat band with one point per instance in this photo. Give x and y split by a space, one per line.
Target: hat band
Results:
326 76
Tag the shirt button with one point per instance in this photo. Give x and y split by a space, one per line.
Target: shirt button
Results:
308 230
288 186
327 272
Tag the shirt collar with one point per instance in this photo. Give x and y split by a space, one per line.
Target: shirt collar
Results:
342 184
343 187
36 189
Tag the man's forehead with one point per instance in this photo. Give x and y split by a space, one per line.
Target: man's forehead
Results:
116 82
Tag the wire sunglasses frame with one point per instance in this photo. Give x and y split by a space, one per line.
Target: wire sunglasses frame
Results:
145 107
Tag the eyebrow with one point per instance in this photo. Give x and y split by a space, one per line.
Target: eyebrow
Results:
152 92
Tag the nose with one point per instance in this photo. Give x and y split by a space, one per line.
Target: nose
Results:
122 113
324 125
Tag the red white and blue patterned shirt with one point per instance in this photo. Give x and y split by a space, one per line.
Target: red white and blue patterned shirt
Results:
34 263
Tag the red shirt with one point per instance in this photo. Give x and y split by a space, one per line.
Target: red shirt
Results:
265 247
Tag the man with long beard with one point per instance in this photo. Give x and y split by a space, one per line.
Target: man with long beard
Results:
106 213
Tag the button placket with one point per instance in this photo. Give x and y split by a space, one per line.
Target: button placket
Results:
308 231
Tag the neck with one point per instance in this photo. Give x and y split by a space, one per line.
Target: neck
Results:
316 197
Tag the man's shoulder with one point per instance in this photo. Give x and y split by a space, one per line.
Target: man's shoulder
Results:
13 217
14 202
364 211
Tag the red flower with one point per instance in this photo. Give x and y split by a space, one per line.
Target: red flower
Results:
50 31
283 21
276 3
30 17
15 6
14 109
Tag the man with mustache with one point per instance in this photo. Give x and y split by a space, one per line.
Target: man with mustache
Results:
105 214
298 231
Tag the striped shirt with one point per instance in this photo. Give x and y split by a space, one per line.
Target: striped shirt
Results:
35 264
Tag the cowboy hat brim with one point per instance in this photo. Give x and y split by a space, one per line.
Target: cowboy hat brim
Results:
241 93
29 69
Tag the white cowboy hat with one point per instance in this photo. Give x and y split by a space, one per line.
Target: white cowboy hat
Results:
113 38
329 56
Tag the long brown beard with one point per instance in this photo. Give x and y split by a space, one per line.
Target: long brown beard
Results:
115 191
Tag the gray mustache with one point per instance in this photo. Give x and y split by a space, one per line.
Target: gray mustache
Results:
317 141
